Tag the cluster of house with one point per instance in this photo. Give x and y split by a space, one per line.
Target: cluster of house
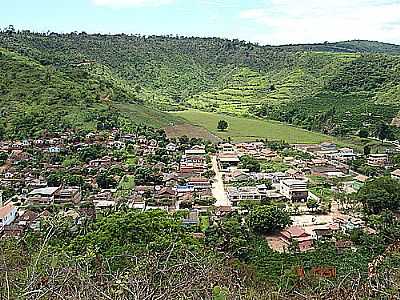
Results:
283 188
331 152
324 160
180 181
305 237
291 185
185 182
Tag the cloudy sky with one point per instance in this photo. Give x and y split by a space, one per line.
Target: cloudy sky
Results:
264 21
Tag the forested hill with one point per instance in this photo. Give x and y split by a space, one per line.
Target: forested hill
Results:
36 98
337 93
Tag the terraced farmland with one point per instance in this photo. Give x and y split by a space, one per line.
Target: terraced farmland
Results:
248 89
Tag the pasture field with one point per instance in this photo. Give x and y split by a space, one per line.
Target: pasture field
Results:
246 129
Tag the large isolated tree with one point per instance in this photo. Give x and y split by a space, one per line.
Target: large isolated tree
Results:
383 132
222 125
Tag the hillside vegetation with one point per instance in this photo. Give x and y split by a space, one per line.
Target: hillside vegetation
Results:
35 98
316 87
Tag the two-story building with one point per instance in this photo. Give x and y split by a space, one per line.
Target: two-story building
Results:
228 160
68 195
199 183
305 241
196 150
294 190
43 196
378 160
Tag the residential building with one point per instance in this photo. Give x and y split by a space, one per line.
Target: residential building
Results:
305 241
235 195
8 214
325 231
44 196
396 174
196 150
101 162
193 164
226 147
54 149
237 176
171 147
294 190
184 189
327 146
166 193
228 160
199 183
359 181
378 160
68 195
295 174
254 193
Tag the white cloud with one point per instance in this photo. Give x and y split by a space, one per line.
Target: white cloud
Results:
294 21
130 3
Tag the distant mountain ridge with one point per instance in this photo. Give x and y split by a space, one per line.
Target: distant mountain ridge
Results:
353 46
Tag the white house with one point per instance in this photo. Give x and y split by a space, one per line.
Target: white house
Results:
8 214
293 189
396 174
327 146
54 149
196 150
343 154
171 147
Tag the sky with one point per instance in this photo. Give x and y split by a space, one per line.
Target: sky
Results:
272 22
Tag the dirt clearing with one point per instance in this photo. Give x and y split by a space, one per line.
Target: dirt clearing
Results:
191 131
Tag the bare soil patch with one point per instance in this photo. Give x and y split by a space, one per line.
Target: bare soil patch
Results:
191 131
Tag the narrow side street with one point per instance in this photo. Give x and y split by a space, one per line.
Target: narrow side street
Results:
218 189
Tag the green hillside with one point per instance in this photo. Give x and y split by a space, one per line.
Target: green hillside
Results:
317 88
34 98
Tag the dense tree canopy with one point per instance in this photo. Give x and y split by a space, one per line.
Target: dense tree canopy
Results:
380 194
268 218
250 163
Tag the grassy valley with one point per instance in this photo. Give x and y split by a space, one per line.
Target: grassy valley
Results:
247 129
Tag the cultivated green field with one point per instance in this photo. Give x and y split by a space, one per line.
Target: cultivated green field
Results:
244 129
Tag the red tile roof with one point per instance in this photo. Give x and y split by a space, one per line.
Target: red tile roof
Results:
6 210
294 232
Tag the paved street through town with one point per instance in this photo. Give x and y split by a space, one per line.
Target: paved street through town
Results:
218 189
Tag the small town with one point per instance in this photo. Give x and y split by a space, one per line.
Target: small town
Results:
77 176
200 150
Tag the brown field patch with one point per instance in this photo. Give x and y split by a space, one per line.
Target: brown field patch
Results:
191 131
